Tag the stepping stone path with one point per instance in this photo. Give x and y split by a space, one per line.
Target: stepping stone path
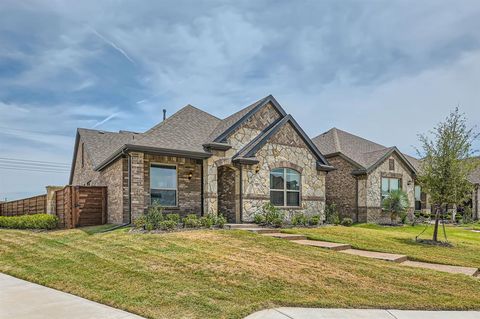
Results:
346 249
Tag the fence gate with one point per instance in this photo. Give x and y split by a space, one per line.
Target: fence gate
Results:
78 206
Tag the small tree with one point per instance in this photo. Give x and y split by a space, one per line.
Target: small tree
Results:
396 203
446 164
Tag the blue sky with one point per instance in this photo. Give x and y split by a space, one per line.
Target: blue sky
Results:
385 70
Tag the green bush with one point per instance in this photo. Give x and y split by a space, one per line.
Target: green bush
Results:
173 217
403 218
331 214
299 219
153 217
168 224
347 222
259 219
273 216
207 221
314 220
139 222
220 221
191 221
37 221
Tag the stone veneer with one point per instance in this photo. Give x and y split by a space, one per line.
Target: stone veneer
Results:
370 190
475 202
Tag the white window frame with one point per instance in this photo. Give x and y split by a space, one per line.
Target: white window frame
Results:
285 190
152 164
389 188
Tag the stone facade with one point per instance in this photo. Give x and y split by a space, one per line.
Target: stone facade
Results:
475 202
371 203
341 187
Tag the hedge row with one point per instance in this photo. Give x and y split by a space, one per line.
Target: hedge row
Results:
37 221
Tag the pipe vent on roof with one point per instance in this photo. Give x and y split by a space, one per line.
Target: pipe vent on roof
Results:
164 114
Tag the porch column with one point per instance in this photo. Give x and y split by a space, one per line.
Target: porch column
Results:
210 188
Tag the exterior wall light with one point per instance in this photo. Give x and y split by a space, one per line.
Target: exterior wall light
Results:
190 175
257 169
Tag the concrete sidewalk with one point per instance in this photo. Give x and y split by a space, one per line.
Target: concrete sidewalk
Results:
317 313
21 299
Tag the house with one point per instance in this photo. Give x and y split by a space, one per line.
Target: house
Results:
196 163
365 173
474 178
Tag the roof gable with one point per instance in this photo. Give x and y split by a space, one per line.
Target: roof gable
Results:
231 123
249 151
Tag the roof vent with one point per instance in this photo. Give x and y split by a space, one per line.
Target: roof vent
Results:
101 132
164 114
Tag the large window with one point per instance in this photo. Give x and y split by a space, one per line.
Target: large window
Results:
418 197
285 187
163 185
388 185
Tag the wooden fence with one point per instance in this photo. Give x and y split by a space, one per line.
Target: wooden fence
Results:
75 206
26 206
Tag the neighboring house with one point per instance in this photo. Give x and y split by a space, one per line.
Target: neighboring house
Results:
474 178
365 173
194 162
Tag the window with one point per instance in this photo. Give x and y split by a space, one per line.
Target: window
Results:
391 164
163 185
388 185
285 187
418 197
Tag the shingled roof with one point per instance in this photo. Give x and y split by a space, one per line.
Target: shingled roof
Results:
474 176
365 154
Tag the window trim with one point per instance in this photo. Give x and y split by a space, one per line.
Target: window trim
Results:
285 190
167 189
415 201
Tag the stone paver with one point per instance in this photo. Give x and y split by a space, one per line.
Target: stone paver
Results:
261 230
240 226
317 313
323 244
21 299
469 271
373 254
286 236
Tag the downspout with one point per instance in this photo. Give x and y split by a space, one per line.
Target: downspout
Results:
202 187
241 193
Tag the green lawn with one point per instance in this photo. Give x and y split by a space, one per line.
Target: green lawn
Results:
401 240
221 274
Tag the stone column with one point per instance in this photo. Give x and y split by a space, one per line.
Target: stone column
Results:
51 199
210 191
137 191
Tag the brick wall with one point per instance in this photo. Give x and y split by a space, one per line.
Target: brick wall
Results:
341 187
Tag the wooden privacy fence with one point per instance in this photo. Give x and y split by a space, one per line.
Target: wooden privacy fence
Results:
26 206
75 206
78 206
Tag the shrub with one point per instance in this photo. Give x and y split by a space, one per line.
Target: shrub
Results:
191 221
467 215
347 222
153 217
173 217
299 219
331 214
314 220
220 221
273 216
168 224
37 221
207 221
139 222
259 219
403 218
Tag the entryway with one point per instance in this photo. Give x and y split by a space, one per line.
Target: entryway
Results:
228 189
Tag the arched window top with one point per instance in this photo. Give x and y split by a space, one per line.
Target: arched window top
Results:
285 185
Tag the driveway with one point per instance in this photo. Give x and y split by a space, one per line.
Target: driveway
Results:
316 313
21 299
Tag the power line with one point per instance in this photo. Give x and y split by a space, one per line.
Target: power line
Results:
31 161
32 169
30 131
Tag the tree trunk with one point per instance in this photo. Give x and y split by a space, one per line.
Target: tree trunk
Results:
435 229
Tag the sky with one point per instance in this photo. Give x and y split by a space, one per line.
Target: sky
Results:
384 70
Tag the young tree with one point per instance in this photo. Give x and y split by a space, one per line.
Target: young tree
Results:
396 203
446 163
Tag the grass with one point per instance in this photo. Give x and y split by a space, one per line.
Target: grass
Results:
401 240
220 274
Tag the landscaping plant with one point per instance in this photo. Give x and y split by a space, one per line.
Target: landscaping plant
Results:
396 203
331 214
447 161
347 222
37 221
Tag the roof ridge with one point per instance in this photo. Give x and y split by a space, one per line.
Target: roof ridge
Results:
183 109
359 137
335 139
203 111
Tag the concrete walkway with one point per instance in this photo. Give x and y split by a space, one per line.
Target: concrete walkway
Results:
317 313
21 299
346 249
